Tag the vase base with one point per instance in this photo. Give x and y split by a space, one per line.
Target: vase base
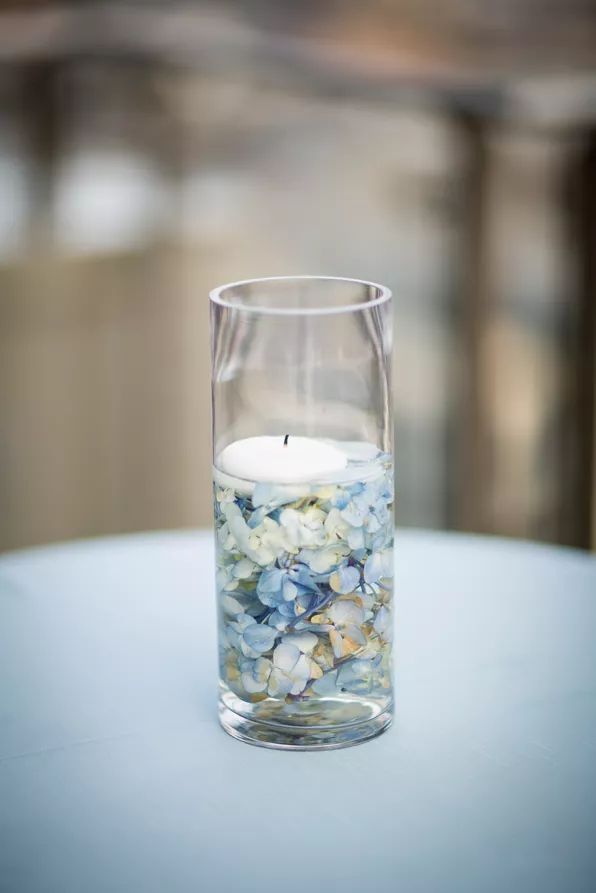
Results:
294 737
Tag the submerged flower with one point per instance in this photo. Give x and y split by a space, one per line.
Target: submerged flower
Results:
225 494
275 587
326 559
231 605
379 568
243 569
226 582
290 591
383 624
257 638
279 586
304 641
251 637
347 636
292 669
336 525
230 574
262 544
225 540
282 617
326 684
270 496
345 579
255 674
361 515
303 528
304 582
358 675
241 601
323 654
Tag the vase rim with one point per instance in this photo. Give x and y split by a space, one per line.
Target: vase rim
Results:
217 296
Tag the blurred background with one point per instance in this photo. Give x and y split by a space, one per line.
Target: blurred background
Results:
152 150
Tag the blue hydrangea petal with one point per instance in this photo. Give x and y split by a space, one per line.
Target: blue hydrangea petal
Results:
231 605
279 683
260 637
340 500
285 657
252 685
379 565
327 684
383 623
305 641
270 580
271 495
257 517
300 675
242 621
345 579
279 621
289 590
353 632
346 611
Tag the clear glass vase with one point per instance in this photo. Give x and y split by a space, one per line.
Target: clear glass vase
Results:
303 500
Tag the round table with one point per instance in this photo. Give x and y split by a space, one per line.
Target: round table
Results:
115 776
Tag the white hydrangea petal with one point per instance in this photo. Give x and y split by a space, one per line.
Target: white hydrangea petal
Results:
285 657
231 605
373 567
262 668
356 538
252 685
373 524
247 650
344 611
243 569
279 684
337 643
300 675
353 632
382 564
383 623
323 560
304 641
345 580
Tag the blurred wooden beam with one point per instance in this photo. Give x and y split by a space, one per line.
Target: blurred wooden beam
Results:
40 84
578 424
585 366
471 437
376 43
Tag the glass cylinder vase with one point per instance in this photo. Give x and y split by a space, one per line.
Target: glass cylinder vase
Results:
303 501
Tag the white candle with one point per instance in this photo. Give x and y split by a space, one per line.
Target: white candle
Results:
281 460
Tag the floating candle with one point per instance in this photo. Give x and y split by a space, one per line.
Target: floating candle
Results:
281 460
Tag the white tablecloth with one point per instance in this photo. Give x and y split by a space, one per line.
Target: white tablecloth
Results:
115 777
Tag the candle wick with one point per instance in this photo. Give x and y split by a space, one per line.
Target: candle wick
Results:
286 438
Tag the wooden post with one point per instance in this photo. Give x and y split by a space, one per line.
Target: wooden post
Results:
471 438
40 89
585 348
